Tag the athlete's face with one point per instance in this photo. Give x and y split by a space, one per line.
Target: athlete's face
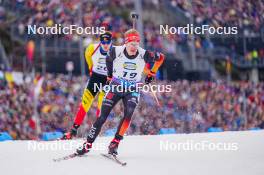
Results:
132 47
106 46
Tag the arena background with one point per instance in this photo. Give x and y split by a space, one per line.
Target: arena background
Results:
217 80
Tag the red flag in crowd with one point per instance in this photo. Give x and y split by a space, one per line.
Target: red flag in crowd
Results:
30 50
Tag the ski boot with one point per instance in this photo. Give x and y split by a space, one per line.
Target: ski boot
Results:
69 135
112 148
84 149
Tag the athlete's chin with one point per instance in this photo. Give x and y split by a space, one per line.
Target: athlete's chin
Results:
106 48
133 51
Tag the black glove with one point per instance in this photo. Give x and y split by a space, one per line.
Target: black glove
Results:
157 55
149 79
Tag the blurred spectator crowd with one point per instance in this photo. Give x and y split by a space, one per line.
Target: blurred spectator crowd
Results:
243 13
255 55
115 14
190 107
93 13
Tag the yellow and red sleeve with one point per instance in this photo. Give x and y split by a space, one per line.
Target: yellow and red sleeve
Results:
158 63
88 56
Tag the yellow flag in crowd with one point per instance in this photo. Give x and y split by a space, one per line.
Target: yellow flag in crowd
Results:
9 77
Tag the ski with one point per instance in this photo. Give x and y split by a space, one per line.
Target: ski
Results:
114 158
67 157
108 156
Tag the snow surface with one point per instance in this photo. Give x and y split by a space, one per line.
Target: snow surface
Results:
143 154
